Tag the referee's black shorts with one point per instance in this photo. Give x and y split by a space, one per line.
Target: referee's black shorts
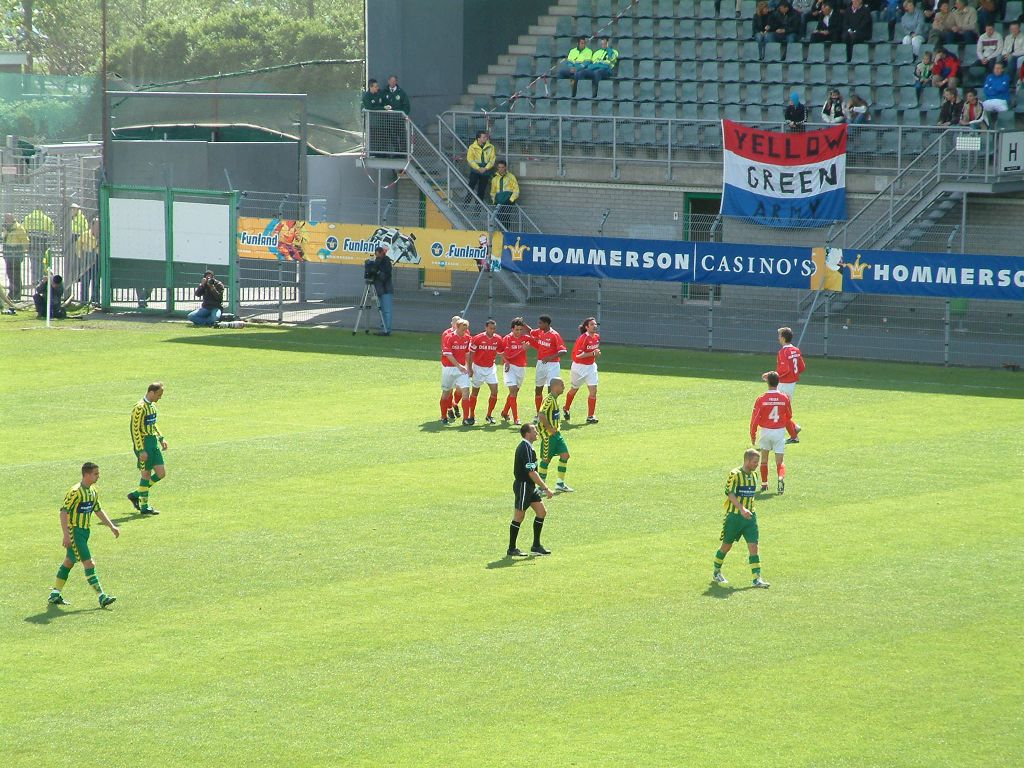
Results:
526 493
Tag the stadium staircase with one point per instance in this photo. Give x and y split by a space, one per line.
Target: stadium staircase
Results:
445 184
918 197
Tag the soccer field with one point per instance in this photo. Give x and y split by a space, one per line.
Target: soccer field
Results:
326 584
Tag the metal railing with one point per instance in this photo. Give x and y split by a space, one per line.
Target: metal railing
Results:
673 144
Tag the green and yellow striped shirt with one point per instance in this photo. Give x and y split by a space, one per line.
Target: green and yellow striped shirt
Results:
742 485
550 409
80 503
143 423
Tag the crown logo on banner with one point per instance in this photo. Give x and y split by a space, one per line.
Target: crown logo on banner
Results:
857 268
517 250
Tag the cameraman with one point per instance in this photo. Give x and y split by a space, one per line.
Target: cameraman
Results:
385 287
211 290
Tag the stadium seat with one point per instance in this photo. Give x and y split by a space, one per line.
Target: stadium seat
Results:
773 73
840 75
626 91
690 110
730 52
545 46
710 92
645 69
710 111
667 50
794 73
687 28
625 49
861 75
777 95
687 50
667 29
816 54
727 30
908 98
584 108
665 9
564 26
625 132
709 71
605 90
707 29
732 112
795 52
604 132
644 9
773 52
687 135
604 108
882 54
564 106
730 71
750 52
861 53
644 29
752 113
667 71
903 55
837 54
524 66
645 49
583 131
1013 10
626 70
645 91
883 74
752 72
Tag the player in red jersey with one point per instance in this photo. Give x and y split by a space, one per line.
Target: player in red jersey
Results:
454 373
454 411
549 346
789 364
771 413
585 352
483 349
515 344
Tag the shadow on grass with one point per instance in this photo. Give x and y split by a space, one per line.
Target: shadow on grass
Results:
723 366
131 517
723 592
56 612
508 562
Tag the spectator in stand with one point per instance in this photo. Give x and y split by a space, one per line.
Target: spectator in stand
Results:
577 59
913 27
856 26
762 24
833 112
1011 52
16 242
963 25
973 114
929 8
802 10
857 110
396 100
942 20
997 93
890 14
504 195
481 158
945 70
989 13
373 101
830 26
951 109
601 66
796 113
923 74
785 26
988 47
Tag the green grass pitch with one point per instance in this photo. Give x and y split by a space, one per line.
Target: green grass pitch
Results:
326 587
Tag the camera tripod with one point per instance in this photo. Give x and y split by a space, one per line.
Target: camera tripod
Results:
369 297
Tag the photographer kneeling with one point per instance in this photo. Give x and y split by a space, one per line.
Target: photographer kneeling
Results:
212 292
57 310
378 271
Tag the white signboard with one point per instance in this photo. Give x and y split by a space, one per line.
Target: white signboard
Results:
1011 152
137 229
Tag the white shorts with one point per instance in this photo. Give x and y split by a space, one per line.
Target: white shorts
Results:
484 376
546 372
583 373
453 378
515 376
773 440
788 389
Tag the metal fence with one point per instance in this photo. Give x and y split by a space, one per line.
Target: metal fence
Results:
51 202
674 145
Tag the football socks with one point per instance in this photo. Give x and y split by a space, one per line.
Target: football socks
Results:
755 566
62 576
538 523
513 534
719 559
94 580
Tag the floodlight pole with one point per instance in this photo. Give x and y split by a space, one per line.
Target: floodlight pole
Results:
105 105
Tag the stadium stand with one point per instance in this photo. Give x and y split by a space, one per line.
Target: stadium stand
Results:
675 53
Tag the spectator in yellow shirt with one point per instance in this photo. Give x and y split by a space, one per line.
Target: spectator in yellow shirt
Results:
576 60
481 157
504 194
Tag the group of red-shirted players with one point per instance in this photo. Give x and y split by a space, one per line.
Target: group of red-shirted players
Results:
469 361
773 411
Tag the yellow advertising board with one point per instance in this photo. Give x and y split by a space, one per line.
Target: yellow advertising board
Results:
333 243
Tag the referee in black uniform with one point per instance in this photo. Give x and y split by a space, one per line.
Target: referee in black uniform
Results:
525 489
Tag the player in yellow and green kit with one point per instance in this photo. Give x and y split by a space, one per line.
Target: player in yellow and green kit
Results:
149 445
740 519
551 441
80 504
